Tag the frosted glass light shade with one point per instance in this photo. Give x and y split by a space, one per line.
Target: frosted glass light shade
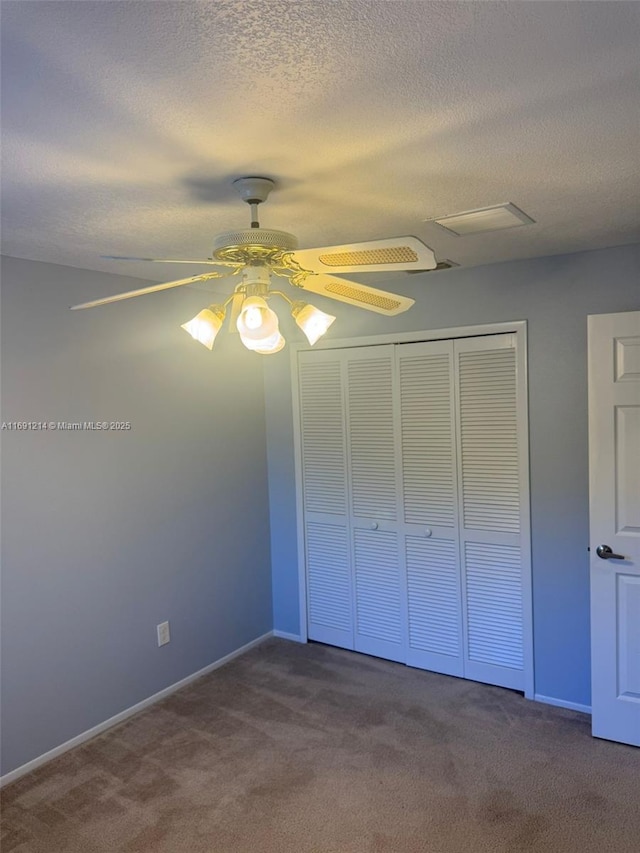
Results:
274 346
266 345
205 325
313 322
256 320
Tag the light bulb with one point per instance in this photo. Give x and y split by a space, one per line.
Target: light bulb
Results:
313 322
257 321
253 317
205 325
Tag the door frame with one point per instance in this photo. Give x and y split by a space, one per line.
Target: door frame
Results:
519 330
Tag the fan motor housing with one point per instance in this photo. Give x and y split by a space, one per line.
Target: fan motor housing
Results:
252 244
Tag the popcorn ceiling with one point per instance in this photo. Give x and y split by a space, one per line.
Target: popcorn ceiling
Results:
124 123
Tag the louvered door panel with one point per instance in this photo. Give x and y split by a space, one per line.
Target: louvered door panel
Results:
489 502
430 511
329 584
325 498
427 433
494 604
322 435
433 592
380 618
372 453
488 440
371 434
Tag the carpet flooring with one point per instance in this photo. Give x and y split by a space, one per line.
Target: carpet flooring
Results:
310 749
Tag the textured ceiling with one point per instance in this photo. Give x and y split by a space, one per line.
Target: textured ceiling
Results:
124 123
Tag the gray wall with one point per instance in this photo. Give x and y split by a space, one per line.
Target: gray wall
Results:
554 295
106 534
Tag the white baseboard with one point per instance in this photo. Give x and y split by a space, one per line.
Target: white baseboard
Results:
562 703
285 635
128 712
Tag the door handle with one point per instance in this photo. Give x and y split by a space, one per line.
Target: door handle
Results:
605 553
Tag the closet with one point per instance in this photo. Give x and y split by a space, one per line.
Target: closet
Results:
412 473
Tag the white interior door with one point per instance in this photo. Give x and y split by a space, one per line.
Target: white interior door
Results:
413 482
379 589
490 491
614 487
324 490
430 506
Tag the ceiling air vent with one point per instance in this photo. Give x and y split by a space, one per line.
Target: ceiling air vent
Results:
441 265
495 218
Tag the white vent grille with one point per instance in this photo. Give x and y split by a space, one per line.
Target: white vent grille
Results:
494 604
427 440
328 576
323 456
434 595
371 438
377 585
488 428
495 218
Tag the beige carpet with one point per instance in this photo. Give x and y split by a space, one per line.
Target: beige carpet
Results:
310 749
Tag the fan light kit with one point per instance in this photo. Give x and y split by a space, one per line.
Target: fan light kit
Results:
257 254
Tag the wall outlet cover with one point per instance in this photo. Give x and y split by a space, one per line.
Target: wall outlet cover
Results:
164 635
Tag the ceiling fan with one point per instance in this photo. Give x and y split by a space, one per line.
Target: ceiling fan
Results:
256 254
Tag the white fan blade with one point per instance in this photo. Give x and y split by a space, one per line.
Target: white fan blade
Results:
152 289
393 253
164 260
361 295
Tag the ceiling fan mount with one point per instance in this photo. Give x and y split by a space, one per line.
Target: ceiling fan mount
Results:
254 190
255 244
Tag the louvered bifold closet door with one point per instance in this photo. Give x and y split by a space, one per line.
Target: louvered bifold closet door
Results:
372 451
430 506
490 511
325 501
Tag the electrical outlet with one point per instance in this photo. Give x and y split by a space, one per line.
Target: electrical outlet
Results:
163 633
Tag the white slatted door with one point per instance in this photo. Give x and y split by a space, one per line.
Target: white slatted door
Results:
379 591
490 512
430 506
325 498
415 527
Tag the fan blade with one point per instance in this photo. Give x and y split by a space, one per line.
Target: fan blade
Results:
164 260
152 289
361 295
394 253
